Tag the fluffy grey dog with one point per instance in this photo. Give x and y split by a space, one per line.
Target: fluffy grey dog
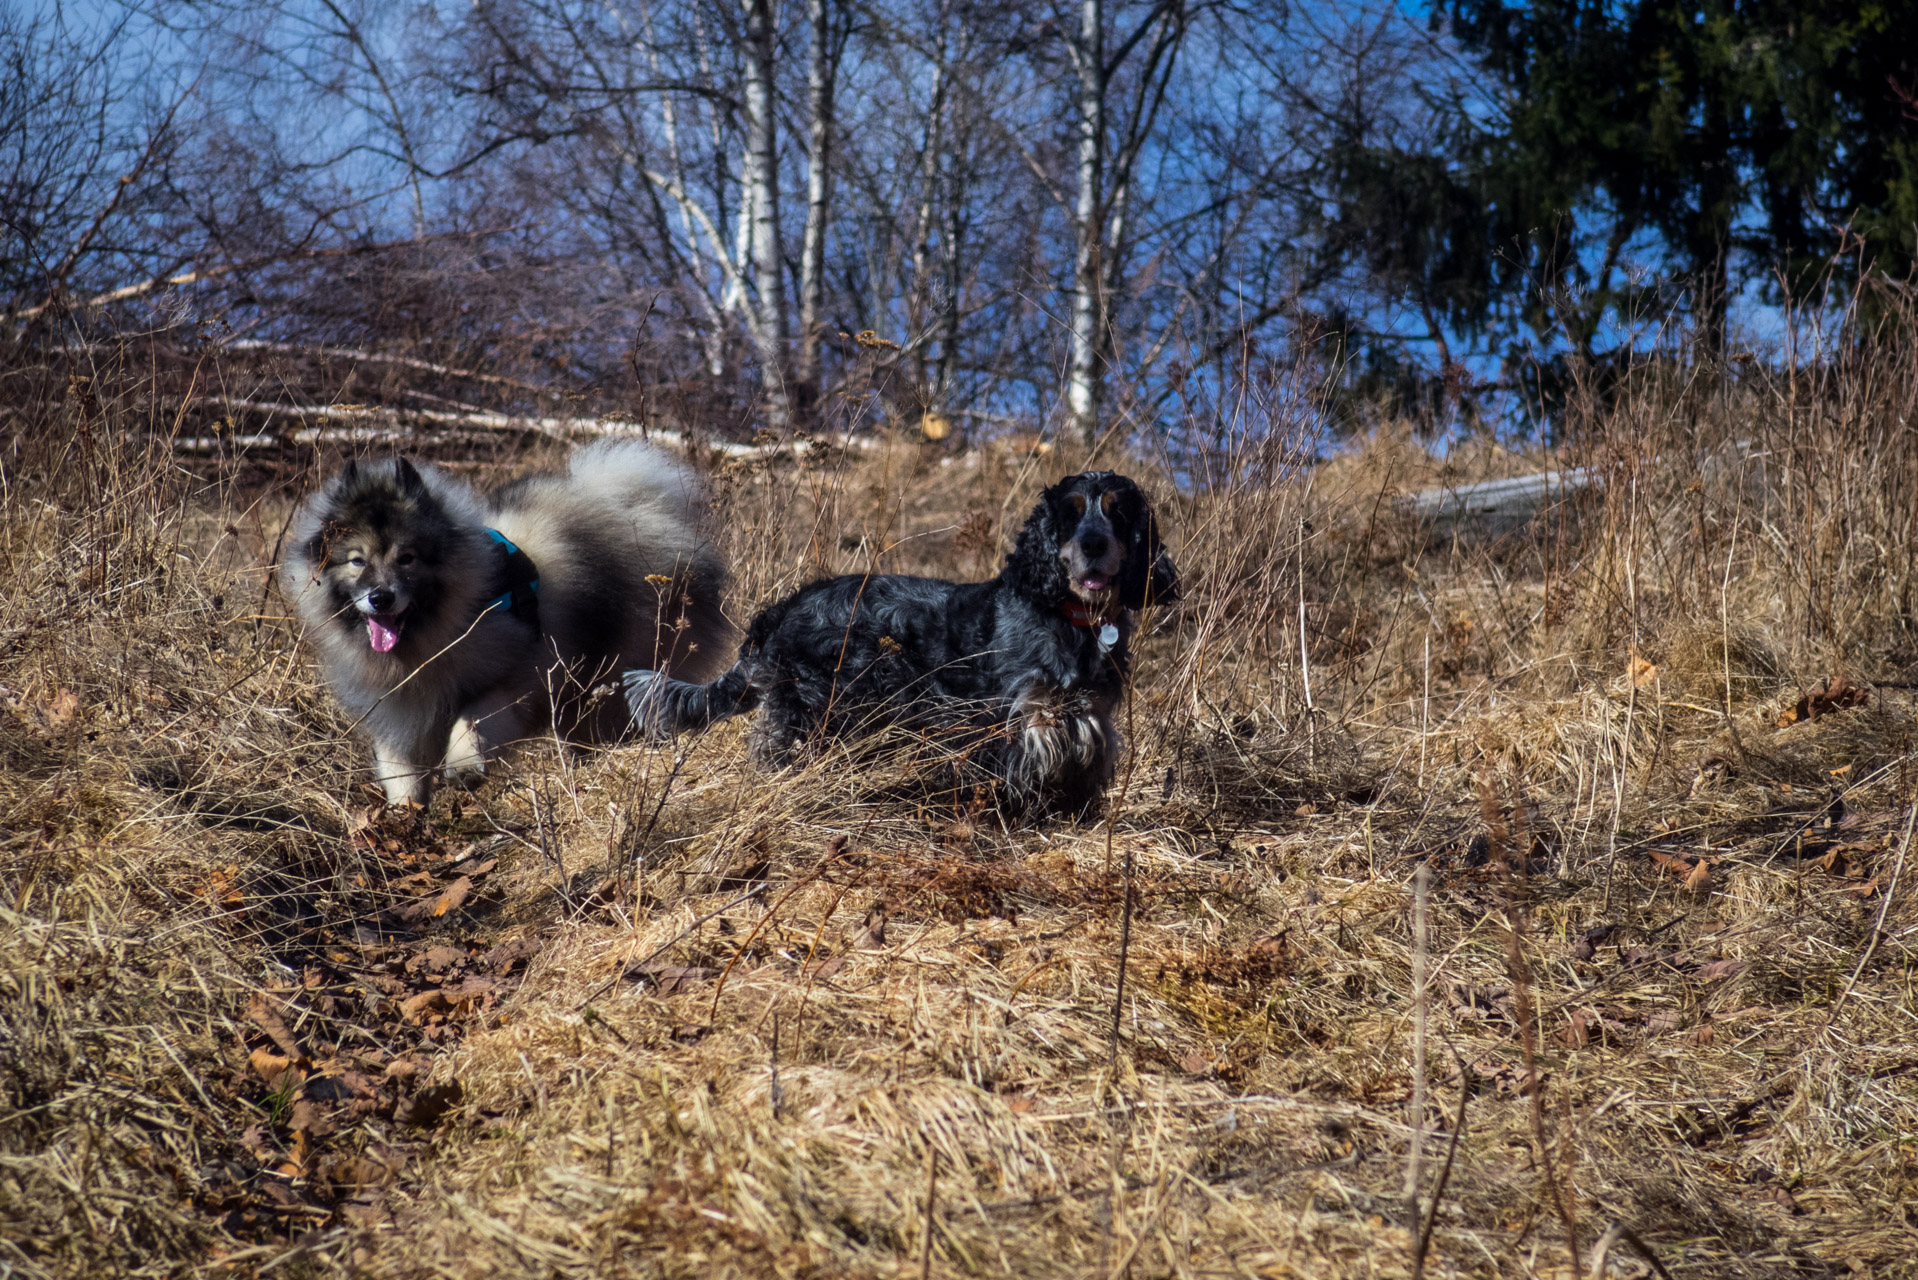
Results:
451 622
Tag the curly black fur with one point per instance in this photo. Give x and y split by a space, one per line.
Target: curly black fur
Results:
1034 660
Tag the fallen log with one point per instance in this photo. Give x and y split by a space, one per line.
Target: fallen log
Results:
1499 503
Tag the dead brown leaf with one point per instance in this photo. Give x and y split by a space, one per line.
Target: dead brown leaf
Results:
1699 880
456 893
60 709
404 1069
668 978
1836 694
260 1008
219 887
1586 945
311 1119
502 958
297 1156
822 969
429 1104
416 1008
269 1065
437 959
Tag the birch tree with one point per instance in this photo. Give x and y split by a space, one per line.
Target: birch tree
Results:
762 205
1105 182
828 31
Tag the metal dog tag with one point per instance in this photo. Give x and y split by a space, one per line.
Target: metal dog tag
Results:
1108 636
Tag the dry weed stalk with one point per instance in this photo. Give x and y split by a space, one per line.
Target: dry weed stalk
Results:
1421 892
1511 852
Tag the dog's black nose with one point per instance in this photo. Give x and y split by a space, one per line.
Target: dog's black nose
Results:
381 599
1093 545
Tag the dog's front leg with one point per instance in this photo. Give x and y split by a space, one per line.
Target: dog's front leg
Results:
483 726
405 781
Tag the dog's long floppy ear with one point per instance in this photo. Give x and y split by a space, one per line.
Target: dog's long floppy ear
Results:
1149 576
412 484
1034 568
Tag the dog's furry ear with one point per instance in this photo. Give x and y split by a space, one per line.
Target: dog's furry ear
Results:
349 474
1149 576
412 484
320 545
1034 568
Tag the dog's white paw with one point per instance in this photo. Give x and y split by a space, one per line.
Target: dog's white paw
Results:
465 763
403 782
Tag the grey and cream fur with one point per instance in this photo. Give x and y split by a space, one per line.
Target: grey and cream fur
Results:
405 596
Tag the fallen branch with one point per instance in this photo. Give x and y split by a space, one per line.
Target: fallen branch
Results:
1514 498
380 357
200 275
383 424
1614 1232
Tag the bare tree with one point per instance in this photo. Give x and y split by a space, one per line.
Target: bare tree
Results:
762 199
79 147
1105 180
1030 209
829 30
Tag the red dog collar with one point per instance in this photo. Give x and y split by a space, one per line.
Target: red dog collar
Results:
1079 614
1076 612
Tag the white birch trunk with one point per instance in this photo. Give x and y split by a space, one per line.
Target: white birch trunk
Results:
821 73
738 296
1085 379
922 238
762 187
713 341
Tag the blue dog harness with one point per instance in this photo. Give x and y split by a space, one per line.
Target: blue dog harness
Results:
518 578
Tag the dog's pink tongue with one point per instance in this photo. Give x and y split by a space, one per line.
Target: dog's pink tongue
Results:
381 636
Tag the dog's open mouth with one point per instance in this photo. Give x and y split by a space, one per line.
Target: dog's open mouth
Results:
1093 583
382 631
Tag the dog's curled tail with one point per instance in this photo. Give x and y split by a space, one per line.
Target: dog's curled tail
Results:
663 706
627 474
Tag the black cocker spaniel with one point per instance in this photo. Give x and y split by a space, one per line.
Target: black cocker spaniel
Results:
1027 667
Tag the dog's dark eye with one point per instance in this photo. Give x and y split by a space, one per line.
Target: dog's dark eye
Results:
356 560
1078 504
406 560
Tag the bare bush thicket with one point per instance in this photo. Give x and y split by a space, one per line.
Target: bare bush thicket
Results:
1035 220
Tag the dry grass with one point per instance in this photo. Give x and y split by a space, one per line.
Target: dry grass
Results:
819 1024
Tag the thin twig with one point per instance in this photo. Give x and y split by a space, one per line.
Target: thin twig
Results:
1421 888
719 987
1878 927
1445 1174
932 1202
1614 1232
654 954
1125 901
